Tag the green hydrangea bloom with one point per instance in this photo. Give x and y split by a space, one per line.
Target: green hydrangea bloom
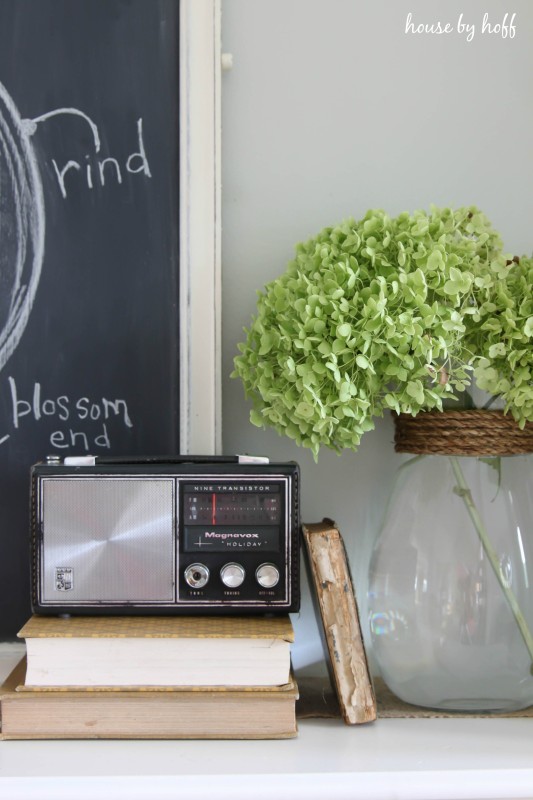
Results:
369 316
502 339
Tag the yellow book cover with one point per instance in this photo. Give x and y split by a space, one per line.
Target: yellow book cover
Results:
184 627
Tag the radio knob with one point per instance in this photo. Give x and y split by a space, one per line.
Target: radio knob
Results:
267 575
197 576
232 575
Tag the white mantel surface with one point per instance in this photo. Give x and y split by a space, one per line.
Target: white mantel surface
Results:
415 759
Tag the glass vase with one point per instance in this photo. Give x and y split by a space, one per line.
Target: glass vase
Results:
451 583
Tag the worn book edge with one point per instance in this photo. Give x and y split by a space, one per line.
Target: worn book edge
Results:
335 598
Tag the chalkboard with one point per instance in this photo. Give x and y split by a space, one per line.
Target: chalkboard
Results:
89 245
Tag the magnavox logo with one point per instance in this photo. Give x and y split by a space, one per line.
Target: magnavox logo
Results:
216 535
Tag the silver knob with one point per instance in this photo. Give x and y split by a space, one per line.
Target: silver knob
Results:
197 576
267 575
232 575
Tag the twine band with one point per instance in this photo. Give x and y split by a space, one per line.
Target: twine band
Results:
462 433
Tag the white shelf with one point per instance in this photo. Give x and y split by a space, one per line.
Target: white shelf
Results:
429 759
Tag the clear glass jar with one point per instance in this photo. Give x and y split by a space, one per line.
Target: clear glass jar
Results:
451 584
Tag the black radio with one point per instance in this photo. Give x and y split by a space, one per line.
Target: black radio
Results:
188 534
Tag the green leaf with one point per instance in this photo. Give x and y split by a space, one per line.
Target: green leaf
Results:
256 418
344 392
304 410
267 341
416 391
344 330
496 350
435 260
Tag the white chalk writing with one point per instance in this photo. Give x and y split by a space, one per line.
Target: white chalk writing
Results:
22 217
36 406
22 226
94 170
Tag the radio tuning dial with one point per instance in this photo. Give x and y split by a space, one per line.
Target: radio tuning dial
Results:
197 576
232 575
267 575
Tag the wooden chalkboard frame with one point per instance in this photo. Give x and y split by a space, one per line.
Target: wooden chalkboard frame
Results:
200 230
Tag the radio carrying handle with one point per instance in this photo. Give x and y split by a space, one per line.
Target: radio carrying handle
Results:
174 459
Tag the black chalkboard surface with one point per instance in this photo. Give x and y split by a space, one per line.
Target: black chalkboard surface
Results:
89 191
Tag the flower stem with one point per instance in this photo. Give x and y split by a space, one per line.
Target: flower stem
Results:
466 494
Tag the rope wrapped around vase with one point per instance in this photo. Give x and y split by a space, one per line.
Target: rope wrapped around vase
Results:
473 432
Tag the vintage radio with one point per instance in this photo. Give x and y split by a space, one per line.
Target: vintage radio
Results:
178 535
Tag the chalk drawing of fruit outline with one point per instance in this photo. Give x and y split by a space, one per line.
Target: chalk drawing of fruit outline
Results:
22 226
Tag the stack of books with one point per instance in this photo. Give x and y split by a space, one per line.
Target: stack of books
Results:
152 678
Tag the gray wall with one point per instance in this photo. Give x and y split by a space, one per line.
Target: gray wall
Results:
331 109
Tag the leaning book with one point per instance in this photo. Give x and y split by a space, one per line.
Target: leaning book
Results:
336 601
146 713
158 651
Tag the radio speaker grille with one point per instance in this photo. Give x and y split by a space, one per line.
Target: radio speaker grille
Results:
107 540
